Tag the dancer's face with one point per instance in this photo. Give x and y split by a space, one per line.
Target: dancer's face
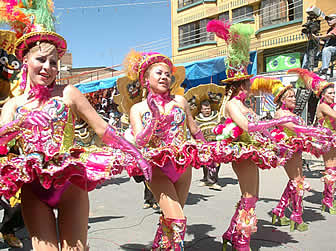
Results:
159 78
289 99
329 95
42 64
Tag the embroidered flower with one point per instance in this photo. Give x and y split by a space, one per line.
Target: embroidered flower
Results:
247 222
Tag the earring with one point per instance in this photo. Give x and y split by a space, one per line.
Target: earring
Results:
23 82
283 106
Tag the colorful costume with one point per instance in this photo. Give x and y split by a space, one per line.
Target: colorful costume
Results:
313 82
51 161
163 140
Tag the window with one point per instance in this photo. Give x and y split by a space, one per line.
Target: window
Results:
242 13
279 11
224 16
184 3
194 33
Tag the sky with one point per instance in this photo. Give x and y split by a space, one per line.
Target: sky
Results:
104 34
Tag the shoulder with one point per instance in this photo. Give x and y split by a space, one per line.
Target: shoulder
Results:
141 106
71 94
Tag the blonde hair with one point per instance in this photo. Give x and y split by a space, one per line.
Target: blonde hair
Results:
43 46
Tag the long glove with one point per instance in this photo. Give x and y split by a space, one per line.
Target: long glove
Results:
112 138
262 126
313 131
145 135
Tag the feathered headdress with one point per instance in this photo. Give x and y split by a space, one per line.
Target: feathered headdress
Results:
270 85
311 80
137 63
237 37
33 22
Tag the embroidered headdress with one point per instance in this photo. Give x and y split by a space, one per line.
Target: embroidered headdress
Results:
132 87
33 22
311 80
237 36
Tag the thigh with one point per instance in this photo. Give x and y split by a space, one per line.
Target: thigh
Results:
182 186
330 158
293 167
165 193
73 213
39 220
248 177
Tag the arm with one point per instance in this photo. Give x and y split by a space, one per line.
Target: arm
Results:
327 111
107 133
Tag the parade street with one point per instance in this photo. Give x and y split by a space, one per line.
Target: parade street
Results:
117 220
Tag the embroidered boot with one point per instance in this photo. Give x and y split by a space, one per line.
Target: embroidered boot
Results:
229 235
173 234
158 235
246 224
278 213
329 179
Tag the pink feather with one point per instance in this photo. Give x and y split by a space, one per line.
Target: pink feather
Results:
222 29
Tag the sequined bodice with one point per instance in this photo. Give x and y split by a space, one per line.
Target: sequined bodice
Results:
173 133
58 137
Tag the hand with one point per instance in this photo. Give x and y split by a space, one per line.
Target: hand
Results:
146 169
152 106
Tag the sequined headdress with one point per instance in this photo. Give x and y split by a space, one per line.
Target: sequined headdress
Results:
237 36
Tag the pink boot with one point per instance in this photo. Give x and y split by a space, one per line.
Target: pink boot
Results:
173 234
229 235
297 189
158 235
246 223
279 211
329 189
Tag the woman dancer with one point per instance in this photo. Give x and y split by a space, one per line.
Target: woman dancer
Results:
52 171
297 138
326 117
159 124
240 142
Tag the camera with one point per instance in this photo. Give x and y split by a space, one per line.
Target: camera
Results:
313 24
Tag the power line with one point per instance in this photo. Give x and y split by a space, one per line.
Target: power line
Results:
111 5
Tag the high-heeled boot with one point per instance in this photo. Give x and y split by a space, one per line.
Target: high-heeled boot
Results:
278 213
297 189
173 234
329 189
246 224
158 235
229 235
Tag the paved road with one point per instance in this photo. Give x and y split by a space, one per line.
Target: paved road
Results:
118 222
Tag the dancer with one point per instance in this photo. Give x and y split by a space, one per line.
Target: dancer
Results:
159 124
241 141
325 116
53 172
297 138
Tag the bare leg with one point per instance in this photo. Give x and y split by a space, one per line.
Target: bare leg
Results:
182 186
40 221
73 213
248 177
165 193
294 167
330 158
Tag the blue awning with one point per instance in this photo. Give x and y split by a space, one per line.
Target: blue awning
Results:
197 72
97 84
211 71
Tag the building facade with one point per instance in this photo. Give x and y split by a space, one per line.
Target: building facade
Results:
278 38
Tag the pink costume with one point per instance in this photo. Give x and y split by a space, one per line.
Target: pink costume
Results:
50 160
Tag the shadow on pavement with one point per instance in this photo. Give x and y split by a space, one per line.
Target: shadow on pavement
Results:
313 174
315 198
200 239
140 247
194 198
114 181
270 236
227 181
103 218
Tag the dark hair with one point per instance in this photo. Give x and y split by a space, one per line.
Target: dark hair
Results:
325 89
234 86
205 103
